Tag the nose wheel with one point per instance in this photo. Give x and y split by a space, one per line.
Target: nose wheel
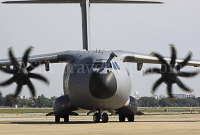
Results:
98 116
104 117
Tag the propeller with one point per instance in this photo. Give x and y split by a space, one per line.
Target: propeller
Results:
22 73
170 72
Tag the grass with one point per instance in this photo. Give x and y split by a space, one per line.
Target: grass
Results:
161 110
26 110
168 109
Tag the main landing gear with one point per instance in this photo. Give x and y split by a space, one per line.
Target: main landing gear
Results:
123 117
57 118
98 116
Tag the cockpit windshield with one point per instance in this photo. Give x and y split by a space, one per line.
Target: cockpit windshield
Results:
102 65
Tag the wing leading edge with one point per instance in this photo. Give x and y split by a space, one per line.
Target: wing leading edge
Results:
144 58
79 1
59 57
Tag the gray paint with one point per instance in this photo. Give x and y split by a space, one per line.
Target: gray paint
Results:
63 106
85 10
79 83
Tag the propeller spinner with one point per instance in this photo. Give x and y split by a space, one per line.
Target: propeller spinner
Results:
170 72
21 73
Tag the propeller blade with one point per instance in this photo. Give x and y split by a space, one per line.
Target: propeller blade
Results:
25 57
10 71
9 81
182 64
169 73
169 89
157 83
152 70
37 76
161 59
22 73
12 58
182 86
32 66
18 90
31 87
188 74
173 57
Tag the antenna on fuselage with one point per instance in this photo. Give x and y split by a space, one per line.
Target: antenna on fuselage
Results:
85 7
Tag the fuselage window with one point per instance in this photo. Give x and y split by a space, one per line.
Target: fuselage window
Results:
98 65
107 65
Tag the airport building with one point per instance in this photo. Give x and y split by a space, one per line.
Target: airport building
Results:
183 95
158 97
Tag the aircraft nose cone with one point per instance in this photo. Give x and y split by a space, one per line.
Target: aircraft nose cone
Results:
102 86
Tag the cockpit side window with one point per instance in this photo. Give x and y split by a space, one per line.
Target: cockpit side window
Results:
107 65
98 65
102 65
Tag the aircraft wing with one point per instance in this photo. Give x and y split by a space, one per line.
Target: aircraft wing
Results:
79 1
66 56
144 58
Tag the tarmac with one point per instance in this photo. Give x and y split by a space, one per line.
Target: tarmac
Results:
143 125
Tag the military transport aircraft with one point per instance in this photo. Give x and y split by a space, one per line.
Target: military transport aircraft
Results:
96 81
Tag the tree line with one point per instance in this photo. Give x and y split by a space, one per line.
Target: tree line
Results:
165 102
40 102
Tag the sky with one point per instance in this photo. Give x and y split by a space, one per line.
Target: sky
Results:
141 28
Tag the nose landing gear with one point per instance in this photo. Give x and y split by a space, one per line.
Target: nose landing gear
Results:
98 116
104 117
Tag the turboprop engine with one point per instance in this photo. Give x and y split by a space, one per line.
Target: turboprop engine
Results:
62 108
128 110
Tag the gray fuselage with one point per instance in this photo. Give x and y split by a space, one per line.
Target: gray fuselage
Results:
97 81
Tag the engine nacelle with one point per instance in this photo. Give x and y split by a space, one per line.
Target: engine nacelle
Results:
133 104
66 78
63 106
130 107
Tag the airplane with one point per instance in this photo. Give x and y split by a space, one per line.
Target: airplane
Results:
97 81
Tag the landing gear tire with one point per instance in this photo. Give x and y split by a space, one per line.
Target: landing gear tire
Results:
104 117
131 118
96 118
57 118
122 118
66 118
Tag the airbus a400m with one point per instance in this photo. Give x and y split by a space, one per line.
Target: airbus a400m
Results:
97 81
